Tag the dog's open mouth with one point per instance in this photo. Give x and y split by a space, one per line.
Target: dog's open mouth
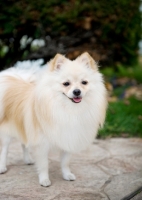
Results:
75 99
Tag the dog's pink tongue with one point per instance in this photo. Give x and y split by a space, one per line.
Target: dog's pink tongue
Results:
77 100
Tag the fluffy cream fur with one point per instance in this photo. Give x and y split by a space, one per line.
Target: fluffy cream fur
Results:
39 110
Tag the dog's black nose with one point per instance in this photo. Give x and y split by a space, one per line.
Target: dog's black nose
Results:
76 92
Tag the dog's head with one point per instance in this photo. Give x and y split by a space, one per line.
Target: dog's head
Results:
74 78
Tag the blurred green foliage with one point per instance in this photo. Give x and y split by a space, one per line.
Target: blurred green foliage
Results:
115 24
124 114
132 72
123 120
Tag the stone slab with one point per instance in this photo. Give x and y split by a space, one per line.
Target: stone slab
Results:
109 170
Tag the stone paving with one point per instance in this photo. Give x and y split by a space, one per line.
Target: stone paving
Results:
110 170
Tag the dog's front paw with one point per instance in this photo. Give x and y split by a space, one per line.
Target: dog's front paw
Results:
69 176
28 161
45 182
3 169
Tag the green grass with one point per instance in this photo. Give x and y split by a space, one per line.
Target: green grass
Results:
132 72
123 120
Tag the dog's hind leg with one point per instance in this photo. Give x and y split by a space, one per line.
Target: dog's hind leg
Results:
65 159
5 141
27 157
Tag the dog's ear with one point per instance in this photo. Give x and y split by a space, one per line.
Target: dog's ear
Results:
56 62
88 61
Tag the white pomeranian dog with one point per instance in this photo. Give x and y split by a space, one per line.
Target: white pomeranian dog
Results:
62 105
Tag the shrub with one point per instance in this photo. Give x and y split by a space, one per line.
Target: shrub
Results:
110 30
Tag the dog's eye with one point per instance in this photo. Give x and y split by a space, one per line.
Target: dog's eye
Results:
66 84
84 82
